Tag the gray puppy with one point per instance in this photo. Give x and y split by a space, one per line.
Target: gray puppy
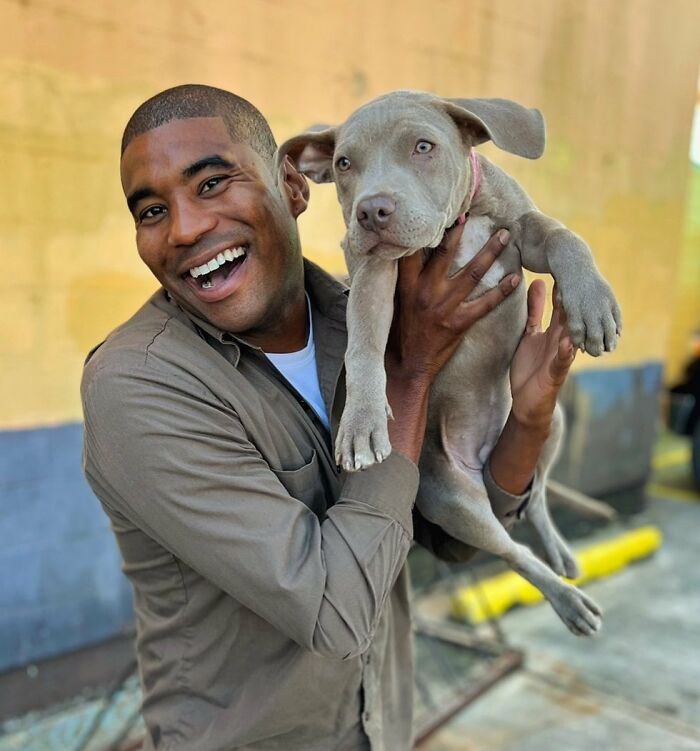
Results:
405 171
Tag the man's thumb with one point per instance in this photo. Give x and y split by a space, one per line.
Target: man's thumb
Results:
562 361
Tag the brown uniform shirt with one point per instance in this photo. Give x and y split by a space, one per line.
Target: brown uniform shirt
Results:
271 595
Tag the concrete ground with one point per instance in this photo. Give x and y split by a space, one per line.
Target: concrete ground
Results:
634 687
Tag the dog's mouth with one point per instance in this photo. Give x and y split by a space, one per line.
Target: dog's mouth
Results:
389 252
392 244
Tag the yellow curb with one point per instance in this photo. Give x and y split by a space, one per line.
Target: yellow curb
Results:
494 596
672 458
670 493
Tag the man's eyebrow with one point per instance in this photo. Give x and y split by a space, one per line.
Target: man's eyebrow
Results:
138 195
209 161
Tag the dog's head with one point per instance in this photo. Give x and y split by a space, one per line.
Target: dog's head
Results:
399 163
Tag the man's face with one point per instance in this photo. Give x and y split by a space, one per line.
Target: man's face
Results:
198 200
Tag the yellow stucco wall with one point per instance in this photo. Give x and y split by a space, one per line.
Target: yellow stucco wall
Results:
615 80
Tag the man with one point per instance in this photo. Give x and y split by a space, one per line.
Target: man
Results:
270 589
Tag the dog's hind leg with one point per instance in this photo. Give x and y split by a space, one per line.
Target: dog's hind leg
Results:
558 553
580 613
456 499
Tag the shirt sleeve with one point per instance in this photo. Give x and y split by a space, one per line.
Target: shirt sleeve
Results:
507 508
179 466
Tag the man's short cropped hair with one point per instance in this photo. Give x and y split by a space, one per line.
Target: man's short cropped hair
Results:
245 123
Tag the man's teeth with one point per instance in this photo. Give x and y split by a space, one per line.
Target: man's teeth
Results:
230 254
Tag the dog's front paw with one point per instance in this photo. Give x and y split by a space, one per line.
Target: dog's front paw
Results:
363 436
594 317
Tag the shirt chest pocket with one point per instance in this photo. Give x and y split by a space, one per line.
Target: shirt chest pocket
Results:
305 484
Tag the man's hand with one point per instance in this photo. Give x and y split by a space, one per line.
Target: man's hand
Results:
431 318
538 370
541 362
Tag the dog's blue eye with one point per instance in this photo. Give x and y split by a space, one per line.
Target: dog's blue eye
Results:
342 163
423 147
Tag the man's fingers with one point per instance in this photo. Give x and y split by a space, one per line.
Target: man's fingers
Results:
556 297
469 277
475 309
559 320
562 361
443 256
536 294
409 270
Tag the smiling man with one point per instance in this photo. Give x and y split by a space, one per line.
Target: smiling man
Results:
270 589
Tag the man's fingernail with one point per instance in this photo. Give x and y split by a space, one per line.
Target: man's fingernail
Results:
504 236
515 281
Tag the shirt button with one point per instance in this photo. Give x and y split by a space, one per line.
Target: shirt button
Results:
366 716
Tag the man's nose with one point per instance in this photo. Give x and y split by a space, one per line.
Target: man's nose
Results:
188 223
376 212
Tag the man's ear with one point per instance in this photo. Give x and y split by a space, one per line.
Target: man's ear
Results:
510 126
295 186
311 153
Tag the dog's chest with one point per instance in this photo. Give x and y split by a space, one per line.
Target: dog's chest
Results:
476 233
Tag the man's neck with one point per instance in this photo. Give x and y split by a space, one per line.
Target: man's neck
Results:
288 335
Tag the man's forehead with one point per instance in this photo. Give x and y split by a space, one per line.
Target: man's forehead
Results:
176 145
178 134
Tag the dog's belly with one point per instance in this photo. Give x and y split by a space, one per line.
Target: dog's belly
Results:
468 437
468 411
470 399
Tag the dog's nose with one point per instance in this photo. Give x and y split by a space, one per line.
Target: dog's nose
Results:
375 213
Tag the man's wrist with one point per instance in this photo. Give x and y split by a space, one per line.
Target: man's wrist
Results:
530 427
515 456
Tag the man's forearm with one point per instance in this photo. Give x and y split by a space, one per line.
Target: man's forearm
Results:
515 455
408 398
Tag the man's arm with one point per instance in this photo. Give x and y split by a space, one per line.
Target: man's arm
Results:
177 463
538 371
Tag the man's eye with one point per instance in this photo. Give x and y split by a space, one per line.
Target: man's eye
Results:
423 147
211 183
152 212
343 163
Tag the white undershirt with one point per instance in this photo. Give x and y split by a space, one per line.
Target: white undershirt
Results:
299 368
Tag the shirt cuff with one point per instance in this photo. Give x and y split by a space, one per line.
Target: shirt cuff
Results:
390 487
508 508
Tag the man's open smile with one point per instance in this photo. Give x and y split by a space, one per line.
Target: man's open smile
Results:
216 276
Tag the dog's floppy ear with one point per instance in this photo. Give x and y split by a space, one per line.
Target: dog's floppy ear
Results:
510 126
311 153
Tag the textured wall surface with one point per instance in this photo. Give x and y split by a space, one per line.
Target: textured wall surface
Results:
61 585
616 80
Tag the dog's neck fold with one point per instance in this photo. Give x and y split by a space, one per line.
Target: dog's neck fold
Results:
476 175
474 189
